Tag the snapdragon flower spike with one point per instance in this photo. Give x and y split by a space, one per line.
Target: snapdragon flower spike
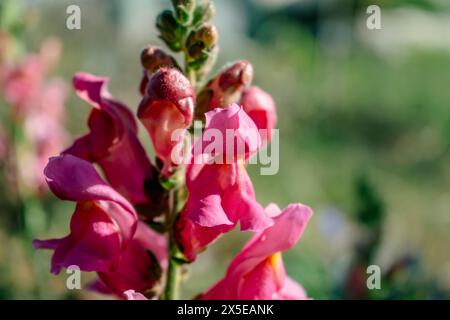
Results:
220 194
103 223
260 107
257 272
167 105
141 264
112 141
224 89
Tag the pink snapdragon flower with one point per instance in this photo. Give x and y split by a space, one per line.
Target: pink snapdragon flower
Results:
221 194
232 85
112 141
103 223
167 106
257 272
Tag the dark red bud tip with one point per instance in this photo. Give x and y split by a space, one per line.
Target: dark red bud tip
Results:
169 84
239 74
153 58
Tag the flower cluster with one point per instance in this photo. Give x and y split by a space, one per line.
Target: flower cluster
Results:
138 225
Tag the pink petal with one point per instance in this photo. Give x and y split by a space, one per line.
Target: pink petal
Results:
133 295
260 107
291 290
93 244
138 270
112 141
74 179
192 238
232 122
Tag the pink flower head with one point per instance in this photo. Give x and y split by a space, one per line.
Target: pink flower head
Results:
260 106
22 84
141 263
257 272
112 141
226 88
221 194
167 105
102 225
44 127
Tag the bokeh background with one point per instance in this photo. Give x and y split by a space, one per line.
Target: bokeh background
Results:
364 118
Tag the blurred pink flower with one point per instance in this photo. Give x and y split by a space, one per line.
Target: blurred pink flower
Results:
112 141
167 105
44 128
22 83
37 107
221 195
3 144
103 224
257 272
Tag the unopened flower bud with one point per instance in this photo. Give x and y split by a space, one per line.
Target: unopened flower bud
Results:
171 31
204 12
226 88
236 77
201 41
184 10
167 105
153 58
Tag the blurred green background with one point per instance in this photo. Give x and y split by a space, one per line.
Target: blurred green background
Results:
364 118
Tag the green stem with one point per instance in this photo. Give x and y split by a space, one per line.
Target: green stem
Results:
188 71
173 278
173 272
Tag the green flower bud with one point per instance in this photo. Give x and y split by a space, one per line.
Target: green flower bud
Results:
201 41
184 10
172 32
204 12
